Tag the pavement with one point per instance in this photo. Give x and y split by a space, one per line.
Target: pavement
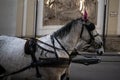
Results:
108 69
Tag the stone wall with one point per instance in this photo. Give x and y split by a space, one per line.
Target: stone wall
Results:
112 43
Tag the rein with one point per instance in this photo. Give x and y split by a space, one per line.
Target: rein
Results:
62 47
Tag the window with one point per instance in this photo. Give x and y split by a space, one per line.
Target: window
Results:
53 14
59 12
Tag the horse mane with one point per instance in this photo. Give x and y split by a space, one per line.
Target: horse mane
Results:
62 32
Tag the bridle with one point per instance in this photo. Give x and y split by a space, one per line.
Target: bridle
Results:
91 41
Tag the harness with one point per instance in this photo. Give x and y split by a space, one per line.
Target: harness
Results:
30 49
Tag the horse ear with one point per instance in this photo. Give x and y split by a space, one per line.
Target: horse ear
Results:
90 27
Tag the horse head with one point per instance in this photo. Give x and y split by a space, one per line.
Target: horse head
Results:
90 40
80 34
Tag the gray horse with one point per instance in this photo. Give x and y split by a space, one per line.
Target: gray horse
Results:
64 40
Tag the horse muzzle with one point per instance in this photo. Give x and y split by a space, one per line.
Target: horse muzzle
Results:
100 52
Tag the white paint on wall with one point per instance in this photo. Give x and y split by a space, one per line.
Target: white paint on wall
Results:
100 16
40 16
118 28
24 18
8 11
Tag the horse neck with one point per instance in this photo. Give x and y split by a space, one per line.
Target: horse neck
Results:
72 38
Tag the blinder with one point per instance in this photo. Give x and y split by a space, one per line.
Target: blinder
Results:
90 26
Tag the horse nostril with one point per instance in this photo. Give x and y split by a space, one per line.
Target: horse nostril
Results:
100 53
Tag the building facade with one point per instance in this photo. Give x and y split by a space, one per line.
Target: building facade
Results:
18 16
